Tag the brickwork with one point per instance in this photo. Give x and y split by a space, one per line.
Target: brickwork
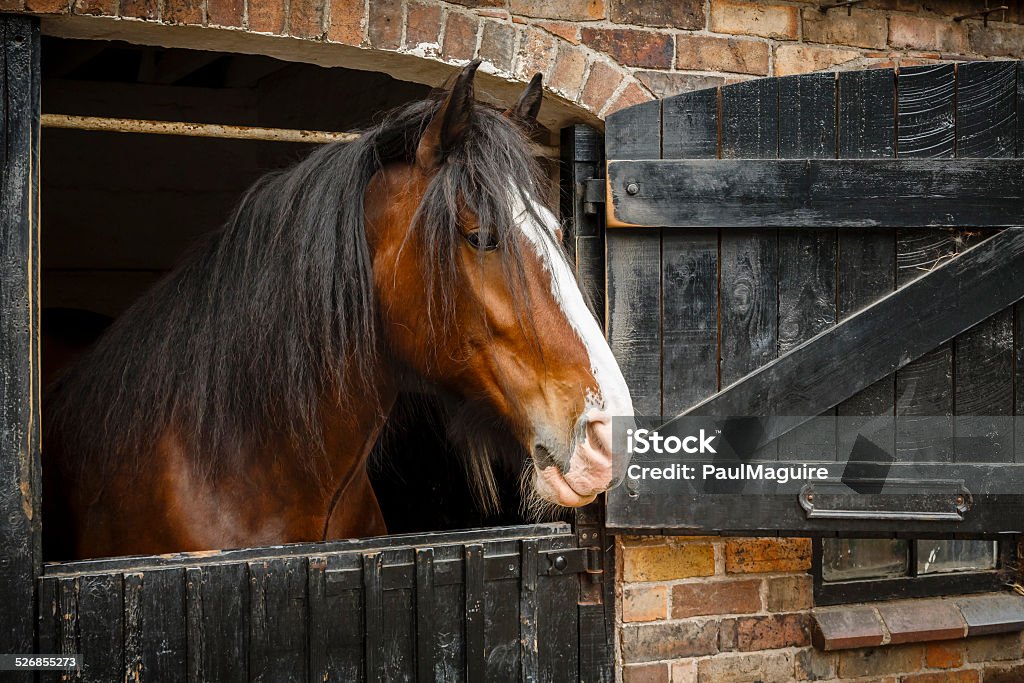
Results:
602 55
738 610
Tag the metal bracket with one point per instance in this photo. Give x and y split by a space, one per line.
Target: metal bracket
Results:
594 193
931 501
848 4
983 13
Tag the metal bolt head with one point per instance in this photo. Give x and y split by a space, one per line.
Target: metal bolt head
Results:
810 497
960 500
560 563
632 188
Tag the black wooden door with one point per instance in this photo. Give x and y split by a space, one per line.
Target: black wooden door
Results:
832 246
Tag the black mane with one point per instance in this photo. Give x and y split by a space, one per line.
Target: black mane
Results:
241 345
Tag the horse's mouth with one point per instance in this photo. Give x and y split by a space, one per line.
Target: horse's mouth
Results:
552 486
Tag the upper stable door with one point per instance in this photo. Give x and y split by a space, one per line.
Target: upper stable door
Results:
821 269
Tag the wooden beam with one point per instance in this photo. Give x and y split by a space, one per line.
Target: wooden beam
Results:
820 193
836 364
19 332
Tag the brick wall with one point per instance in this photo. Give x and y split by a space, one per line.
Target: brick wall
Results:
737 610
601 55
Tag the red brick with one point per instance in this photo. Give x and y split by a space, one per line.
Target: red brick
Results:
536 53
659 641
1002 647
267 16
346 22
99 7
645 673
745 555
772 632
801 59
632 47
665 84
925 33
686 14
878 661
225 12
12 5
498 44
859 29
480 3
920 620
602 82
716 597
384 25
790 593
1004 674
709 53
755 19
460 36
422 24
306 18
183 12
944 655
48 6
580 10
644 603
567 75
767 667
684 671
967 676
140 9
564 30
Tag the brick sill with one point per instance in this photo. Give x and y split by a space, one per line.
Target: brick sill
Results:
915 621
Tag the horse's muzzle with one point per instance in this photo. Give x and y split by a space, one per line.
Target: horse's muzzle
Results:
589 471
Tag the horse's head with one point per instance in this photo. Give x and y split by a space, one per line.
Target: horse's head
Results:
478 297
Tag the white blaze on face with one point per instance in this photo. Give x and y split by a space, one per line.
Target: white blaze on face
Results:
614 399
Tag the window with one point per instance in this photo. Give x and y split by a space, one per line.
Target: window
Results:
864 569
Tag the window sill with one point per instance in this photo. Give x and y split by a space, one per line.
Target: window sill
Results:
914 621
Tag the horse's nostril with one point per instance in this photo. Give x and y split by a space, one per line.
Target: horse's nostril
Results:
543 458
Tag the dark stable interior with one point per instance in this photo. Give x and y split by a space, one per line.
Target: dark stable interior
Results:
119 210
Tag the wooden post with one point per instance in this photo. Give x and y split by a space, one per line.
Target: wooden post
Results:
20 551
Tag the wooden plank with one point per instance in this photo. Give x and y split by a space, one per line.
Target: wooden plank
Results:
925 111
373 616
558 627
806 380
867 128
807 124
277 601
100 605
986 109
582 161
132 621
19 316
528 598
340 618
501 619
67 597
425 625
398 637
749 302
162 612
633 316
634 132
689 267
690 125
822 193
49 629
218 622
750 120
807 256
474 607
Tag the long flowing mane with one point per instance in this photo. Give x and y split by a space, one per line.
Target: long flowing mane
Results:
242 344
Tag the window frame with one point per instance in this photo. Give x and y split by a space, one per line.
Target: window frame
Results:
914 585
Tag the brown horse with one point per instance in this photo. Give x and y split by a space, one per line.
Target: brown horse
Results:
236 403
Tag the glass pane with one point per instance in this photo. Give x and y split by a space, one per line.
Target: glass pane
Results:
844 559
955 556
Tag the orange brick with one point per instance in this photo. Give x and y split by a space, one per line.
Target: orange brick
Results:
645 673
567 9
225 12
632 47
800 59
183 12
98 7
306 18
773 632
747 555
140 9
562 29
384 24
644 603
567 75
716 597
536 53
859 29
497 44
346 22
48 6
945 655
460 36
709 53
755 19
665 562
422 24
601 83
966 676
925 33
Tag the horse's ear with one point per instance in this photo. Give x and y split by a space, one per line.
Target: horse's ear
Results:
450 123
528 105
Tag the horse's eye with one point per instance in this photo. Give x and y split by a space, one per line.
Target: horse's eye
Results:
488 242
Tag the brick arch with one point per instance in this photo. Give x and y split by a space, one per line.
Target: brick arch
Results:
414 40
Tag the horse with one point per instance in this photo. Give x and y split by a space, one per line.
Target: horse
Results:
236 403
